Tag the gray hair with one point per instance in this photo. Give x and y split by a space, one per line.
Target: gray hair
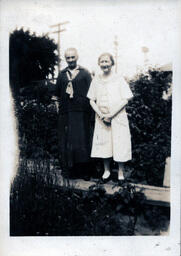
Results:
71 49
107 54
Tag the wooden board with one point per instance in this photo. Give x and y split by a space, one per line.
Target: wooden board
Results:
154 195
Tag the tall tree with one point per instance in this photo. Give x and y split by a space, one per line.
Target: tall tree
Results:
32 58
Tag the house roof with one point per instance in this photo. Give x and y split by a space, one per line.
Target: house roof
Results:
166 67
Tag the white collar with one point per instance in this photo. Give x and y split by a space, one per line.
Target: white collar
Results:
73 70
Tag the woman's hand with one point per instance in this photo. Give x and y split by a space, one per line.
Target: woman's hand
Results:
103 118
108 116
107 121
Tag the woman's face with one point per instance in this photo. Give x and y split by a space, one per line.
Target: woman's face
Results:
105 64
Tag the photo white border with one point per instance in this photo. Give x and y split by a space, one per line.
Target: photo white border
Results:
81 246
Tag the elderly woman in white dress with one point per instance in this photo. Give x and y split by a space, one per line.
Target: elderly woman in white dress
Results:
109 93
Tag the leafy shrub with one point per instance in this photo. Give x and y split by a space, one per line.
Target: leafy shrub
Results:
150 124
32 58
37 125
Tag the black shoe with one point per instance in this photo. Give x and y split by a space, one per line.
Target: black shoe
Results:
86 178
122 182
65 174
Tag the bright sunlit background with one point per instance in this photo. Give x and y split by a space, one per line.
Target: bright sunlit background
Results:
97 26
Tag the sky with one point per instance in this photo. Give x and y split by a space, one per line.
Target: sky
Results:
93 26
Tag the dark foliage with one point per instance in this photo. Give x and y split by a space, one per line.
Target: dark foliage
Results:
39 208
32 58
37 126
150 124
156 216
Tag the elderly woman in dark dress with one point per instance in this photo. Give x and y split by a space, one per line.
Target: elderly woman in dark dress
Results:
74 124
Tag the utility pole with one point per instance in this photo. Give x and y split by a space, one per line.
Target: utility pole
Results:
145 51
116 53
58 31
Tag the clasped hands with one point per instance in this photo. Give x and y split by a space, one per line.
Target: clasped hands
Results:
106 118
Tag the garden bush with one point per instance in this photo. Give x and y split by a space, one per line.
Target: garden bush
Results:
37 122
31 57
150 124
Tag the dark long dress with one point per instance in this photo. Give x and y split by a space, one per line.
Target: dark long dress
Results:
74 123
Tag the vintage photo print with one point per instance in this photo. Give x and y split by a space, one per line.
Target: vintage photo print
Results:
90 127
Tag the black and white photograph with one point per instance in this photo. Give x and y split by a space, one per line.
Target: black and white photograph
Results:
89 138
